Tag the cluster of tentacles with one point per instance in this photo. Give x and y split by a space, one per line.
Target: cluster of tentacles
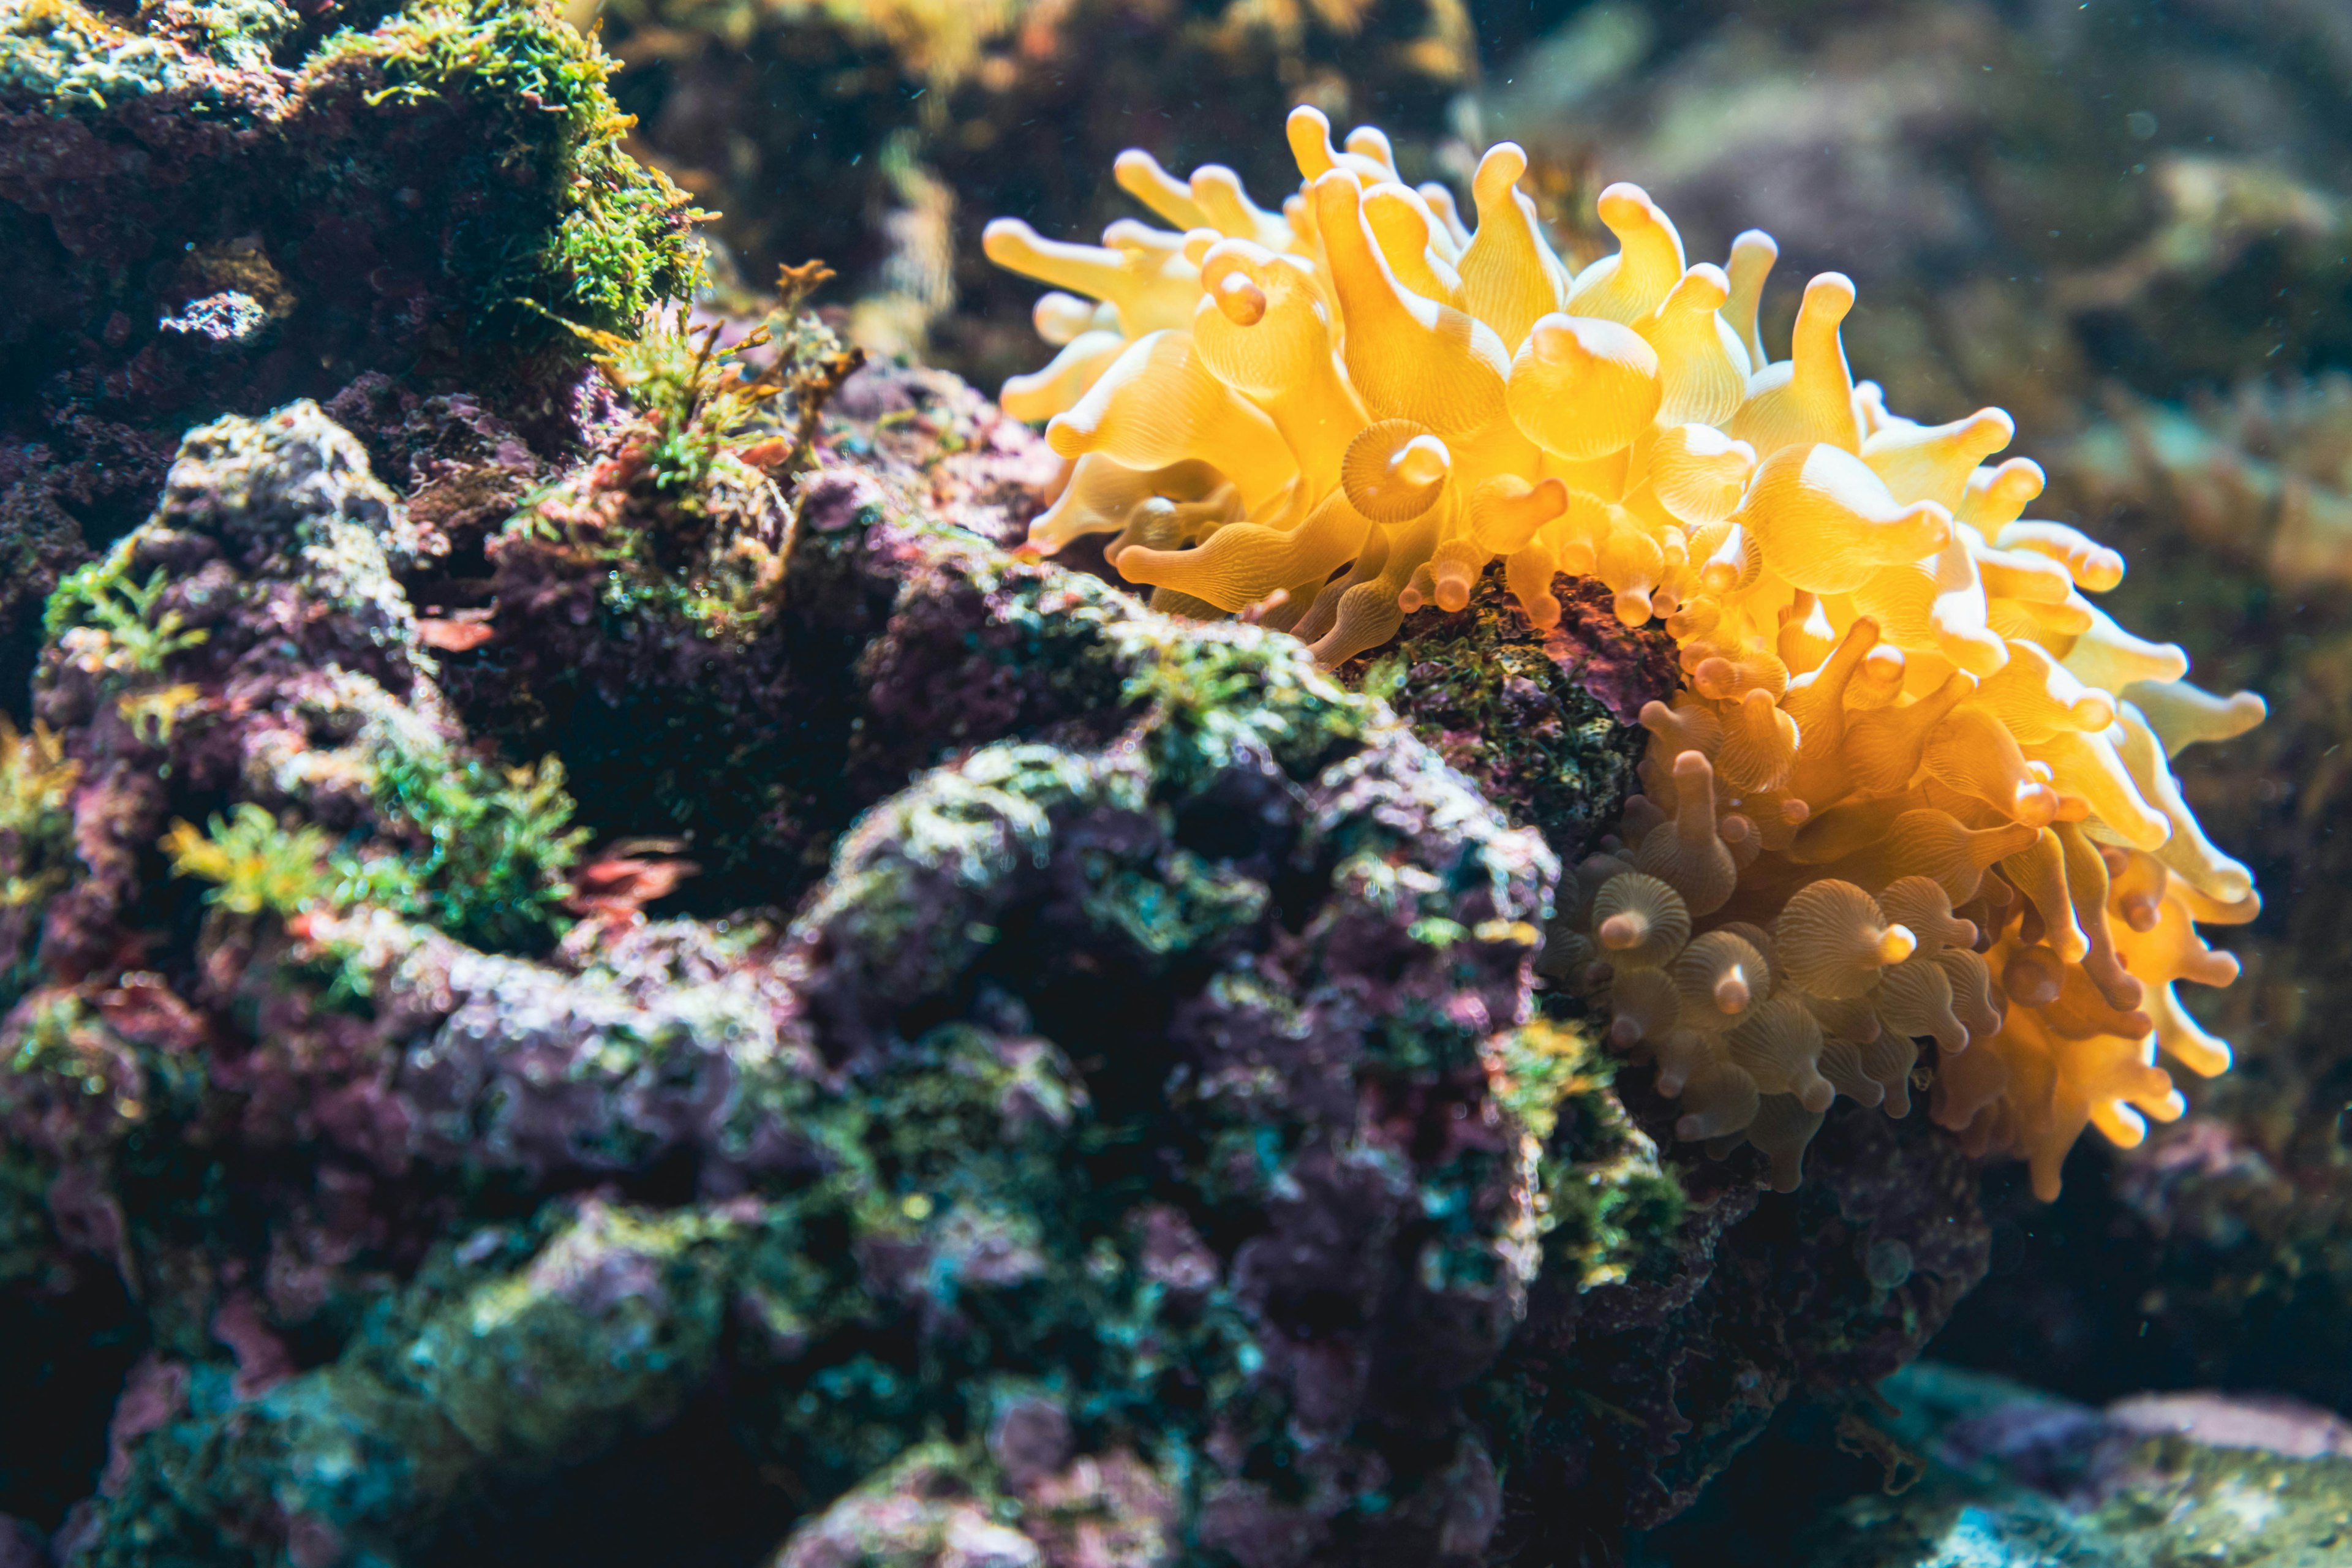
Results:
1917 786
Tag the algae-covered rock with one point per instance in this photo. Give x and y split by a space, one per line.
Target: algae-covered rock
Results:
2014 1478
222 207
1544 721
1132 1105
1629 1395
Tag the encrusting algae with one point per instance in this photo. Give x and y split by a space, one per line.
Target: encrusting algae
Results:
1917 788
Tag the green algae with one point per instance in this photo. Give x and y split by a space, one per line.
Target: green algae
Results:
595 237
73 60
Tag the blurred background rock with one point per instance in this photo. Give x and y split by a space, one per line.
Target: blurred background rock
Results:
2032 196
882 134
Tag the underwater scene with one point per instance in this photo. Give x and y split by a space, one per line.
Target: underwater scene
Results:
1175 784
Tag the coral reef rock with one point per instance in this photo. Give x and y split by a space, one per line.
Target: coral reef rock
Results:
2007 1478
224 206
1131 1138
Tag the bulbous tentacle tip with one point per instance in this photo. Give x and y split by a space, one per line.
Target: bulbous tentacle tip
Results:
1498 171
1371 143
1239 298
1422 461
1004 239
1395 471
1988 430
1703 288
1623 204
1338 198
1829 294
1309 129
2036 805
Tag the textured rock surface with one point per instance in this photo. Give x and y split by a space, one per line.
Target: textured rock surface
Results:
1634 1395
1543 722
222 207
2011 1478
1127 1095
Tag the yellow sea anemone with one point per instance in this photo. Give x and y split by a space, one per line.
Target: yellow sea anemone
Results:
1917 788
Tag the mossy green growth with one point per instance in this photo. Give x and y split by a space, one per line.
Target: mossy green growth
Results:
482 850
36 848
614 240
1219 693
1519 712
685 522
35 777
477 851
1605 1208
986 1158
601 1365
90 1082
100 599
239 33
255 867
697 396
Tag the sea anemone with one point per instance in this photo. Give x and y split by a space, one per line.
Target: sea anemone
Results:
1917 788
